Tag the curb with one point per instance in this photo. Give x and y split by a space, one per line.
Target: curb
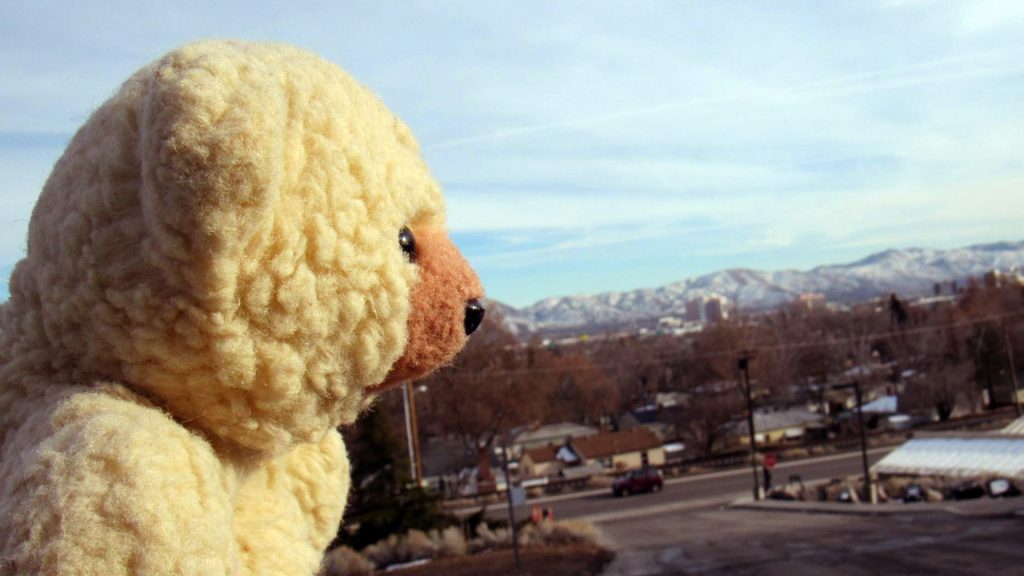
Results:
986 508
701 476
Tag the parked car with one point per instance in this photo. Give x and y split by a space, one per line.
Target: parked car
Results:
637 481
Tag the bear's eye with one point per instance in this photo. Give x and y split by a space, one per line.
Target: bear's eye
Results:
408 243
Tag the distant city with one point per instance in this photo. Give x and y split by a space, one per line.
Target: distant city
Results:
687 305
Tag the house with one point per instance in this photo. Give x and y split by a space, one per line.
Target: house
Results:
610 450
773 427
670 399
837 400
887 404
540 461
445 457
621 450
716 387
548 435
546 461
646 417
450 467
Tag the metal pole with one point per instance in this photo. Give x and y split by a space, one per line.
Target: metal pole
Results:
408 430
415 429
511 508
1013 368
743 363
863 440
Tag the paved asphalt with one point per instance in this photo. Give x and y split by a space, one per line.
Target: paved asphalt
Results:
705 490
686 529
925 540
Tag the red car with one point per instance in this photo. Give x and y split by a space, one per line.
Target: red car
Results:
637 481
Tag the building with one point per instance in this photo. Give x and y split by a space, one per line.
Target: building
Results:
694 311
647 417
715 310
887 404
623 450
671 399
445 456
959 455
812 301
774 427
546 461
669 323
707 309
549 435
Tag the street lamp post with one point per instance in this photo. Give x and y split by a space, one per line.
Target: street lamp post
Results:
412 433
511 505
744 362
863 439
1013 368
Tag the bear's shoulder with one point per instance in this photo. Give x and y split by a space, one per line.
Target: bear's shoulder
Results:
101 457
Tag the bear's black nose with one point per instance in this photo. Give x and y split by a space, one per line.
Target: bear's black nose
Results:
474 315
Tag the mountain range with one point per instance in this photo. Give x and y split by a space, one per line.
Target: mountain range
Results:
907 272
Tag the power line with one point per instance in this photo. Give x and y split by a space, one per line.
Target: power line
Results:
733 352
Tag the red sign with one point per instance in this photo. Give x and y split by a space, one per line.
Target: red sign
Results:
769 460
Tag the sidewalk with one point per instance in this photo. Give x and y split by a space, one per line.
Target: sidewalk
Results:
982 507
743 470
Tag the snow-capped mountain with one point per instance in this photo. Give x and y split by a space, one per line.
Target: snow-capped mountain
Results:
910 272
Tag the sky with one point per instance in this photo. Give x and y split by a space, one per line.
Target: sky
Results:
593 146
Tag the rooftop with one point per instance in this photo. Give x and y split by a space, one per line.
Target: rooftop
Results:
883 405
962 456
541 454
1015 428
556 433
780 420
612 443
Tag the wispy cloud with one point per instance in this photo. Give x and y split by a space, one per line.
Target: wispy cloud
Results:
1003 62
585 147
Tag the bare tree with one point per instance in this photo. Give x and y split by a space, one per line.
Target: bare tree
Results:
706 420
488 390
942 389
578 391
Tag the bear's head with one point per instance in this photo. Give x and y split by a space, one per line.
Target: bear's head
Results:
250 239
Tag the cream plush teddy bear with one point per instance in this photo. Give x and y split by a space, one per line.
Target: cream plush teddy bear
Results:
232 256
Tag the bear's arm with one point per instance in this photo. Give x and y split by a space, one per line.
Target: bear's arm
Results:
288 511
103 485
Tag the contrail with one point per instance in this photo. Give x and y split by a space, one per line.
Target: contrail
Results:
931 72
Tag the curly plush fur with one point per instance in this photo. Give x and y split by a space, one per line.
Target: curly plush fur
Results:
213 283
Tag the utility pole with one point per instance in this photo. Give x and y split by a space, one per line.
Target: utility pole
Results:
863 441
511 505
1013 368
863 438
412 433
744 362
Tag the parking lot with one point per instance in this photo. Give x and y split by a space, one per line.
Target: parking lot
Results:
763 542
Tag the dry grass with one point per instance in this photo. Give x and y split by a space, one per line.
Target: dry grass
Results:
575 560
558 533
345 561
487 538
417 545
450 544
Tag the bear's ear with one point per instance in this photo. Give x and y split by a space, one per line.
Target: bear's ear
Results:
212 156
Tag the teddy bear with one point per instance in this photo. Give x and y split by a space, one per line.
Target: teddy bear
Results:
234 255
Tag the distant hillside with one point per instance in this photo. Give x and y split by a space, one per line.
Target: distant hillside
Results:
910 272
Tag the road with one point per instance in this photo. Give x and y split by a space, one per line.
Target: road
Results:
724 541
705 490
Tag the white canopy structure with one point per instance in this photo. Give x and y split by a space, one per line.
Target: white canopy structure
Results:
960 455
